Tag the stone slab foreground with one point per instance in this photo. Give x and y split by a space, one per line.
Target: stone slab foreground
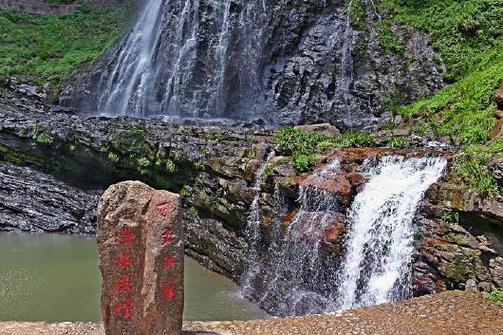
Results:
140 244
448 313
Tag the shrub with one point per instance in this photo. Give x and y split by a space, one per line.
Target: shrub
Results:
497 297
170 166
44 138
354 139
472 165
302 162
302 146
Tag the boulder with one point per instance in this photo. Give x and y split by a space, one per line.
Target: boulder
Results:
498 97
140 241
498 126
323 128
496 167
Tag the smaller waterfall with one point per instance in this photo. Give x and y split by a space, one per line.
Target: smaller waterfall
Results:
294 275
252 232
377 265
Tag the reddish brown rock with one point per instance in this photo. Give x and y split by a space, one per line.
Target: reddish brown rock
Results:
336 229
141 260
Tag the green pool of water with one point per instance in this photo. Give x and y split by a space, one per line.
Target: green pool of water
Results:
56 278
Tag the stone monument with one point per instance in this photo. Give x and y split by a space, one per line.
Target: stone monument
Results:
140 242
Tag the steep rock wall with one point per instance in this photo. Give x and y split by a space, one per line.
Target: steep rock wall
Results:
296 63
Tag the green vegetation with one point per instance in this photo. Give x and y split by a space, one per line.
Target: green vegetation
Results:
397 142
388 39
303 146
461 111
51 47
462 31
472 167
469 36
10 156
497 297
132 153
356 13
44 138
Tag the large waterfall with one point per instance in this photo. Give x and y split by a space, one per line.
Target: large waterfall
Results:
298 275
171 63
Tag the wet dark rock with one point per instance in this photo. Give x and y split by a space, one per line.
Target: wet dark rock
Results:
214 246
31 201
313 67
498 97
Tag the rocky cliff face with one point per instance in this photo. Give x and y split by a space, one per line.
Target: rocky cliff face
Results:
280 61
31 201
214 168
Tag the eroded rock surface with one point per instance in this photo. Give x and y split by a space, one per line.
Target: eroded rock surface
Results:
31 201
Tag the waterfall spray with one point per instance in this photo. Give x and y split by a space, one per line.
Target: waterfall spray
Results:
377 265
252 232
188 59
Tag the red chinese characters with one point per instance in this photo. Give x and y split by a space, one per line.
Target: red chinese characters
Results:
125 236
123 261
168 262
168 289
123 308
164 209
123 285
168 236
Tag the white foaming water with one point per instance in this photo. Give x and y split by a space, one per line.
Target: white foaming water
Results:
134 62
188 59
296 280
377 265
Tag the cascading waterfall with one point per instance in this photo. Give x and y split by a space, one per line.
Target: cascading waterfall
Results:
171 64
133 69
297 274
252 232
297 281
377 265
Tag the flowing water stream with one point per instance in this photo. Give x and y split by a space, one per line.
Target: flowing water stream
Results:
188 59
298 276
296 280
377 266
